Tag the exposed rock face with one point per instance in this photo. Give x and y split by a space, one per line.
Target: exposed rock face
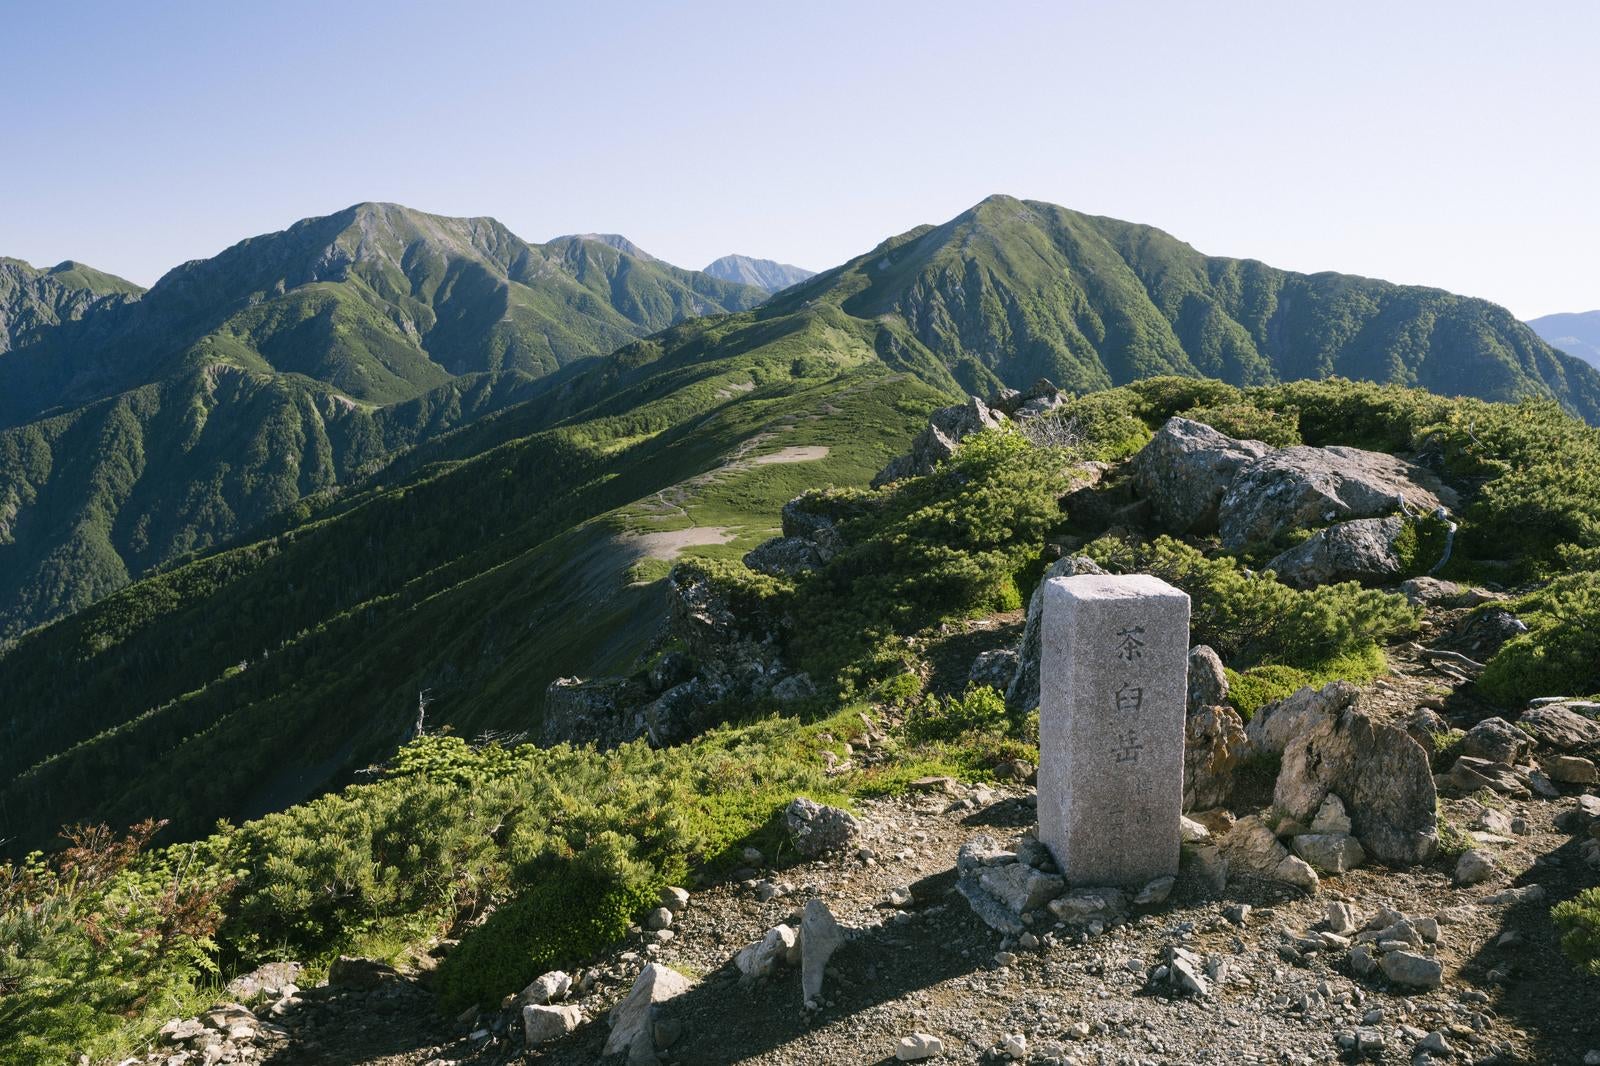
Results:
819 530
1296 488
818 829
1023 693
1381 775
1559 726
1251 848
577 710
1276 724
1214 746
1186 469
783 557
1208 683
946 428
1359 550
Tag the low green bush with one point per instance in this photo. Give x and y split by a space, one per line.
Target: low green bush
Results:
1578 920
980 708
1251 689
1253 619
1559 655
1281 429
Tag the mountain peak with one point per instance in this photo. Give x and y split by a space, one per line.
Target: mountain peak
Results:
613 240
762 273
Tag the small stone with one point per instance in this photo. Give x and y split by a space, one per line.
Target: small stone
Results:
1473 867
1027 941
918 1046
542 1023
1331 817
1237 913
1436 1044
547 988
820 936
1361 961
1340 918
1078 1031
1331 853
752 856
761 958
674 899
660 918
1413 970
1155 893
1014 1046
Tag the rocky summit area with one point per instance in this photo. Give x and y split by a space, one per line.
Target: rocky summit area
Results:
1366 868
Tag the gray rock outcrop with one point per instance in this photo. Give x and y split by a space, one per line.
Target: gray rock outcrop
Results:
1279 722
1303 487
1208 682
1359 550
1185 471
1381 775
946 428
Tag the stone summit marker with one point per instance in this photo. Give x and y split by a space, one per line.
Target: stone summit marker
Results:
1113 682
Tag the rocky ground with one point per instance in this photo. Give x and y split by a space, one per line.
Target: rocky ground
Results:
1281 987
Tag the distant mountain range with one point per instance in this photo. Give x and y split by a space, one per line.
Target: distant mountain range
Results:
1576 334
762 273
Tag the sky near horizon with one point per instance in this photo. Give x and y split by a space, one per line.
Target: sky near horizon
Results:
1447 144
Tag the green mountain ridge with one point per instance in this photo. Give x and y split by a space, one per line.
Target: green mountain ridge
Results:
500 547
283 367
33 301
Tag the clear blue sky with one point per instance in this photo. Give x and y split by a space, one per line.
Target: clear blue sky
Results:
1451 144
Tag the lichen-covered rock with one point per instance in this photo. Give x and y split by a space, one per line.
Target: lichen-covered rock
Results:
1431 592
1558 726
1379 772
818 829
1304 487
1208 681
783 557
1022 695
994 668
1186 469
1214 746
1279 722
1363 549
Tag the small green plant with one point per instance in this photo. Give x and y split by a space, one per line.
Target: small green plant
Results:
1560 652
1578 920
979 709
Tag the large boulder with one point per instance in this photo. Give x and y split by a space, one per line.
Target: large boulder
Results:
1185 470
1279 722
946 429
1022 695
1380 773
802 522
1303 487
1363 549
1214 744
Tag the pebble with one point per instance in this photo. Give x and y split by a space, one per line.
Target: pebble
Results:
918 1046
